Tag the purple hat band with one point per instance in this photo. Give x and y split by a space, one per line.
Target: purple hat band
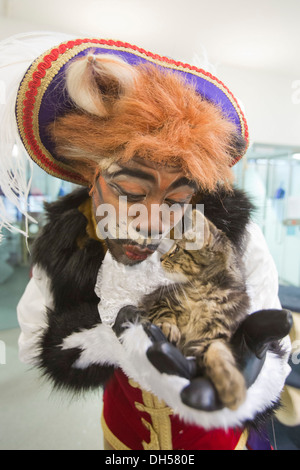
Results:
42 96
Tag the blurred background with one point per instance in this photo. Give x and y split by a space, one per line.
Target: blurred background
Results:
254 48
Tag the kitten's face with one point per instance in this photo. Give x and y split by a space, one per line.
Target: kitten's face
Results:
182 265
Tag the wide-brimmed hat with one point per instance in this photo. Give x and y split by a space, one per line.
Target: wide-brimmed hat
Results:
42 96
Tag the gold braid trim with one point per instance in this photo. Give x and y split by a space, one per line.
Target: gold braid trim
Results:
111 438
241 445
160 426
50 74
45 82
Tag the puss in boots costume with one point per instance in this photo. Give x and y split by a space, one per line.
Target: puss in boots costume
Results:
132 127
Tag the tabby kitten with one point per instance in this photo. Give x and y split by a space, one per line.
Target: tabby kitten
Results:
201 311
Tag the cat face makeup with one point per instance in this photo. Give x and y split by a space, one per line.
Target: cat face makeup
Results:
147 184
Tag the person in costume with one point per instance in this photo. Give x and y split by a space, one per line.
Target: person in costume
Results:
121 121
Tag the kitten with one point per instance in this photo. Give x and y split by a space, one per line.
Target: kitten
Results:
201 311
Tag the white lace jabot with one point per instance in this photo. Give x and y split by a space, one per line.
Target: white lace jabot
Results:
118 285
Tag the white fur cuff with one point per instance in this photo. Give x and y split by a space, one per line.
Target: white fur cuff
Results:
260 396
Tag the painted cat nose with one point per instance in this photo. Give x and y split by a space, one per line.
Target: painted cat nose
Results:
146 229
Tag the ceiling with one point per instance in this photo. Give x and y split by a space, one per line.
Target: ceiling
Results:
259 34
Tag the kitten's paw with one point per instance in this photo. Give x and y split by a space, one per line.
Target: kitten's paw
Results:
170 330
223 372
231 388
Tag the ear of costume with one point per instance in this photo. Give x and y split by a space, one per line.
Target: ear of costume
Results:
198 229
90 101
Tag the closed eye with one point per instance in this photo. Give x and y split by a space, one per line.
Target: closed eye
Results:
130 197
174 251
180 203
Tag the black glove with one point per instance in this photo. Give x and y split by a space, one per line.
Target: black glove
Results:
249 344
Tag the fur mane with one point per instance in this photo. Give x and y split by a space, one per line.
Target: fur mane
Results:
155 115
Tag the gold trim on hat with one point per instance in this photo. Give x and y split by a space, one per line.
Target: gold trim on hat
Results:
51 72
45 82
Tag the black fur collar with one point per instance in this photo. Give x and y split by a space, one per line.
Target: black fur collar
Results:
229 211
73 269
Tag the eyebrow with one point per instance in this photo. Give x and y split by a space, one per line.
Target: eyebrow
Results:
183 181
136 173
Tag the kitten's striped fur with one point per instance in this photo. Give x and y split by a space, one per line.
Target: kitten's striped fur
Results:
202 310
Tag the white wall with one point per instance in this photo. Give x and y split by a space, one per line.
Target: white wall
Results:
259 34
256 47
10 27
272 105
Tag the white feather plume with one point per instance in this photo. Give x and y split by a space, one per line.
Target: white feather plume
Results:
16 55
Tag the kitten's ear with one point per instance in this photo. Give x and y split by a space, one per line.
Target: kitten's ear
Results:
96 82
197 229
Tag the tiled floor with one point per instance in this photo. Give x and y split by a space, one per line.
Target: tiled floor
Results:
10 292
32 417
